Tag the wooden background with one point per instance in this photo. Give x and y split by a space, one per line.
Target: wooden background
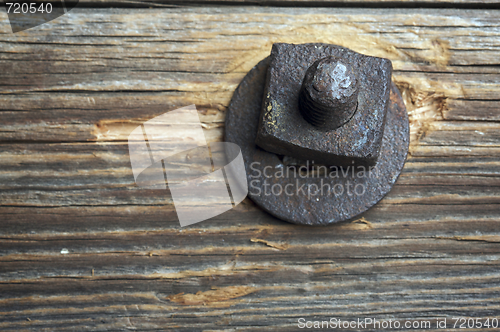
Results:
84 249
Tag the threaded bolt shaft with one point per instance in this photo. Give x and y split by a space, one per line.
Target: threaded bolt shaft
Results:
329 94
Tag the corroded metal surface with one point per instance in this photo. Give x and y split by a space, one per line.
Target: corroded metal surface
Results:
329 94
284 131
306 200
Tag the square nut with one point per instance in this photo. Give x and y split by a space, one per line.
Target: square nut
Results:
289 130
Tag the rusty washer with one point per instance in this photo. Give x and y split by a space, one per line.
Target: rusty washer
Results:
323 131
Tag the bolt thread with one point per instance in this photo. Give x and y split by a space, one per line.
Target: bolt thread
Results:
326 108
324 117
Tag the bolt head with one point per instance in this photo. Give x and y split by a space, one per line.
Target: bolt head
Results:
329 93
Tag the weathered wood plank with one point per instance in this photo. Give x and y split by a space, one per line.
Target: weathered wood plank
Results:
82 248
57 220
132 73
299 3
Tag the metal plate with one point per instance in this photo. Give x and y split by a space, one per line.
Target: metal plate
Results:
284 130
288 194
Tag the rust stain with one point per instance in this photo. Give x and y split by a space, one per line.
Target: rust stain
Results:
270 244
212 296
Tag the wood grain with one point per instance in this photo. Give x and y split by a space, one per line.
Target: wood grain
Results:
82 248
473 4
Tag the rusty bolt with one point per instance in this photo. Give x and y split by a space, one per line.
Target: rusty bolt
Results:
278 80
311 112
265 119
329 93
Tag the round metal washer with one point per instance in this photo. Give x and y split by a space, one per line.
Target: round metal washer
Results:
308 200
